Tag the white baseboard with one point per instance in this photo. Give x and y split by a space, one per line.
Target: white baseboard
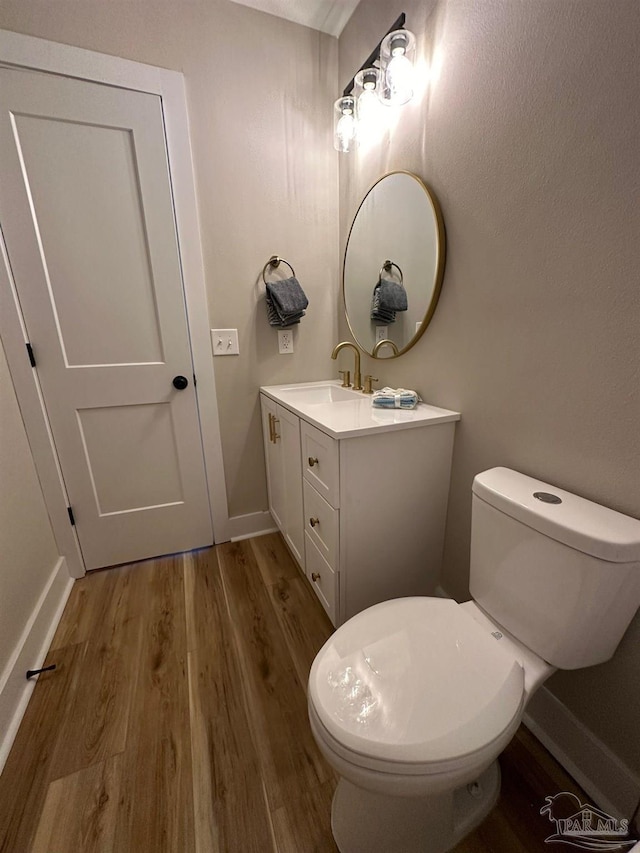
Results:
612 785
252 524
29 653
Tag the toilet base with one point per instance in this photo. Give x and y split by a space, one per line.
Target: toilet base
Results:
362 821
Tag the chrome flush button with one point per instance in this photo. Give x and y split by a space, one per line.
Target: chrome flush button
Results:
547 498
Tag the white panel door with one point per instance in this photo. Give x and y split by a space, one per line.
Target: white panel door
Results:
87 216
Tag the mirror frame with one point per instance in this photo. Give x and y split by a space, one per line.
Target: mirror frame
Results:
440 263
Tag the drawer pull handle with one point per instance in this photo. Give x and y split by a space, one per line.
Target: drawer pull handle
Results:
312 461
315 576
314 521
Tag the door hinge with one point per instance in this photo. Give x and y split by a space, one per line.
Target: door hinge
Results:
71 517
32 358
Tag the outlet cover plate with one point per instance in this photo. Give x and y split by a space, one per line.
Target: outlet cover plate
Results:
285 341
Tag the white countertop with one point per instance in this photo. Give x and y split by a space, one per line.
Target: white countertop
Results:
354 416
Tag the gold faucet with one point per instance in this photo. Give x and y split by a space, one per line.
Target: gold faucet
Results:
357 379
381 343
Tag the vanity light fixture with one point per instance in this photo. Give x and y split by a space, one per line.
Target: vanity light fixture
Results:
387 73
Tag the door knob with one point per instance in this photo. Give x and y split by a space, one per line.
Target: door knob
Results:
315 576
180 382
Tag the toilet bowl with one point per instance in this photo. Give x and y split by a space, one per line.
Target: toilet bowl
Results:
412 700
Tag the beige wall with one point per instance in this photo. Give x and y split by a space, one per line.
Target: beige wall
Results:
28 552
259 92
530 138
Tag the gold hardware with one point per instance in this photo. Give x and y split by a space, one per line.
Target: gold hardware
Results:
312 461
381 343
346 376
275 434
271 427
315 576
367 384
314 521
357 379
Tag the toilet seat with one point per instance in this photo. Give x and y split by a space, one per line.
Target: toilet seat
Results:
414 685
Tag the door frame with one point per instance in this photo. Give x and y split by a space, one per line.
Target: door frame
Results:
35 54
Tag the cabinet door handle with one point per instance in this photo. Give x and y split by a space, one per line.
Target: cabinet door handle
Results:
275 434
314 521
315 576
270 427
312 461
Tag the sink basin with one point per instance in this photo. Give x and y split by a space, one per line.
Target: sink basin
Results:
308 394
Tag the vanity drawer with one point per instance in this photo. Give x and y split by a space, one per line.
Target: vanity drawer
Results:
321 523
320 462
322 578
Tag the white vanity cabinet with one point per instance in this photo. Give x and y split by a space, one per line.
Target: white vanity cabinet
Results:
374 489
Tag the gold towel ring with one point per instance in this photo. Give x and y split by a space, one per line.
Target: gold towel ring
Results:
387 266
274 262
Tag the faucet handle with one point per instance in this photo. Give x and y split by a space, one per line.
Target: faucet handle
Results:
346 378
368 379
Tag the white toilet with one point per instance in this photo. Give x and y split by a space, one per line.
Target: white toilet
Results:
412 700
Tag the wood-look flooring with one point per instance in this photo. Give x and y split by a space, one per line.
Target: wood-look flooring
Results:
176 720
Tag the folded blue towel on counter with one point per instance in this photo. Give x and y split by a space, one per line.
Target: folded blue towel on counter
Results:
286 302
394 398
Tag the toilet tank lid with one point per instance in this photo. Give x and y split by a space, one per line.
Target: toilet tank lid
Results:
574 521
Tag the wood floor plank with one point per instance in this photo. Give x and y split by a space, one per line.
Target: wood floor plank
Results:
227 784
305 823
305 625
25 778
80 811
290 760
82 610
156 812
95 725
273 558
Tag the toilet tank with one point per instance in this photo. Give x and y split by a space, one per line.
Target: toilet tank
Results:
560 573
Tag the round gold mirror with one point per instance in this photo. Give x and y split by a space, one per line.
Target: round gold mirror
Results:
393 265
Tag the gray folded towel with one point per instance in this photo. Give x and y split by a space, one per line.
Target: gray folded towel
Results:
388 297
286 302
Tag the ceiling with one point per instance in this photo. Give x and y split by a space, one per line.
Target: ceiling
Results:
328 16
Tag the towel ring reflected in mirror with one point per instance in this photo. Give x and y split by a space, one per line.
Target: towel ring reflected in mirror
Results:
399 218
387 267
273 263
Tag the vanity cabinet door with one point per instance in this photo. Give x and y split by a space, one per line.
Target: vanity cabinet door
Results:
289 440
281 434
275 482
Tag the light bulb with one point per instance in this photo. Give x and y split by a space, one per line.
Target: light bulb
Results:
397 53
370 120
346 130
400 77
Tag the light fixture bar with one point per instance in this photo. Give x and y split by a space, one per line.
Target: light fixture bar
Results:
398 24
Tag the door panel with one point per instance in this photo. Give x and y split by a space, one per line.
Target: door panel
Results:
86 212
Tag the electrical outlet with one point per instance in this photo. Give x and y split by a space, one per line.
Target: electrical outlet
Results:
285 341
225 341
382 333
